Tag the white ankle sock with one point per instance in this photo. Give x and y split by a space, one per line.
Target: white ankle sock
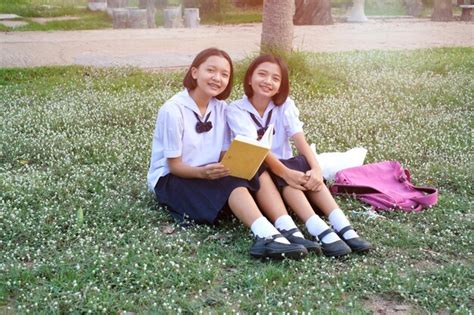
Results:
339 221
316 226
285 222
263 228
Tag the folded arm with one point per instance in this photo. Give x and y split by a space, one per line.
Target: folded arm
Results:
209 171
295 179
314 175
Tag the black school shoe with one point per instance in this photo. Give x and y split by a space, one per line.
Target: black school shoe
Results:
357 244
269 248
334 249
311 246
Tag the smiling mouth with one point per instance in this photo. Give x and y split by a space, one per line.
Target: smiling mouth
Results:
266 89
214 86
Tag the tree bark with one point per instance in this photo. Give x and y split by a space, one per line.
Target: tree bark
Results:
357 12
277 26
313 12
443 10
151 13
414 7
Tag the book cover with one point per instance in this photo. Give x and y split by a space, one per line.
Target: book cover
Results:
245 155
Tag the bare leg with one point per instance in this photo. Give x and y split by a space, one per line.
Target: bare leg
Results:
298 202
243 206
323 200
269 199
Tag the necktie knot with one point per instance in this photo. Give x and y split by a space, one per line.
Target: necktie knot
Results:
203 126
262 129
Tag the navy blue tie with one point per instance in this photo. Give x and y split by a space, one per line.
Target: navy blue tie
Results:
203 126
261 130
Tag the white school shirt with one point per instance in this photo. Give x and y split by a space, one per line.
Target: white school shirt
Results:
285 118
175 135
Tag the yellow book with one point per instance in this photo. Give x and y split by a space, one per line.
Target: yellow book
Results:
245 155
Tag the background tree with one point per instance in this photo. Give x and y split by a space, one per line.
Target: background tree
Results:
150 6
277 25
442 11
312 12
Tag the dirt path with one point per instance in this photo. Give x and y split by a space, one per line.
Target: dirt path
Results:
167 48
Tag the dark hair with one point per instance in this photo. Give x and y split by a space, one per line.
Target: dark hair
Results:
284 90
190 83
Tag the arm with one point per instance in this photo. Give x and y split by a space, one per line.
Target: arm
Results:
209 171
293 178
171 125
314 175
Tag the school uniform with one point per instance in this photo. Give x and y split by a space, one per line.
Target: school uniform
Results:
244 119
177 135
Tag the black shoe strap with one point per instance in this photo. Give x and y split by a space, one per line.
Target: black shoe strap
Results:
324 233
344 230
292 231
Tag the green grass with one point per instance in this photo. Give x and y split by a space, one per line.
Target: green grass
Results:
77 140
28 9
234 16
385 7
42 8
87 21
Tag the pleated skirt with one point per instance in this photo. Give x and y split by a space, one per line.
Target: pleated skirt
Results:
297 163
199 200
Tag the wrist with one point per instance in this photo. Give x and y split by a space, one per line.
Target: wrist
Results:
201 172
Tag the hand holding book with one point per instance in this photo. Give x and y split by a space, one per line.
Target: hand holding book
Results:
246 155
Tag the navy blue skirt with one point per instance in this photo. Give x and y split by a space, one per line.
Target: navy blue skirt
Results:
297 163
199 200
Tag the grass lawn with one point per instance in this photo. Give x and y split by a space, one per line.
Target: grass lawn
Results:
29 9
230 14
87 20
80 233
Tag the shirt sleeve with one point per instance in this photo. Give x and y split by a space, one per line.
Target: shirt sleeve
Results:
240 123
227 138
170 127
292 122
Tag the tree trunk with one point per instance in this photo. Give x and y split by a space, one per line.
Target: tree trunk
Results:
115 4
357 12
137 18
151 13
443 10
97 5
414 7
191 17
277 26
312 12
120 18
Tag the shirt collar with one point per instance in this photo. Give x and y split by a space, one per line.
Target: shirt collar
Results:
188 102
247 106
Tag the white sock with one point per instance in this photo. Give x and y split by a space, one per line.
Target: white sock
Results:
285 222
264 229
339 221
316 226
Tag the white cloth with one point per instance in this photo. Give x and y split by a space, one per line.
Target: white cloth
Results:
175 135
285 119
332 162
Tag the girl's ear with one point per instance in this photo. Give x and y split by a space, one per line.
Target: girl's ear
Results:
194 71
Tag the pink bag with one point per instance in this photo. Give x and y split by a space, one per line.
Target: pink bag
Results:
385 186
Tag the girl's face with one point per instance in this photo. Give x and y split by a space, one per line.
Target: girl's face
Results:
266 80
212 76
